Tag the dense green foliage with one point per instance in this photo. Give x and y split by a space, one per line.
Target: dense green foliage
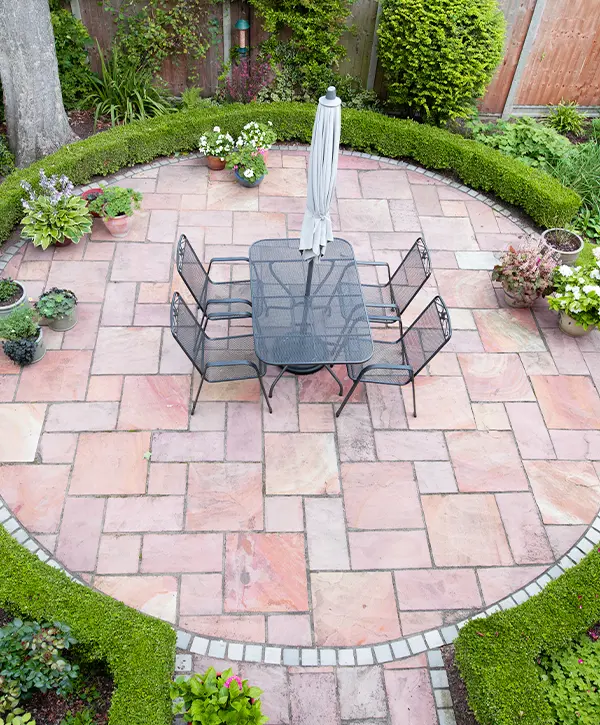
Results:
577 293
71 40
21 352
579 168
116 201
438 56
56 304
566 118
137 650
7 160
480 167
46 223
8 289
498 656
20 324
587 225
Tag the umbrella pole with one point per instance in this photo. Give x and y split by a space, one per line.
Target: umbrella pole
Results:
309 276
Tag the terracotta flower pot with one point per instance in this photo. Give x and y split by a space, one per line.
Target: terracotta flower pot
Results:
118 226
568 325
91 194
215 163
64 243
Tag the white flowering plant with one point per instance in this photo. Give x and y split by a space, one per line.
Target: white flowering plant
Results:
577 292
216 143
248 163
260 136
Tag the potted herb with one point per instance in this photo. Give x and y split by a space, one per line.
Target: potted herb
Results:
90 195
248 166
53 214
259 136
116 206
59 308
12 295
218 698
576 297
215 145
23 340
568 244
525 273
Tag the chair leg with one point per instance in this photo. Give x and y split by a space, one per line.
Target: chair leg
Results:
347 398
197 394
412 380
264 392
335 377
277 379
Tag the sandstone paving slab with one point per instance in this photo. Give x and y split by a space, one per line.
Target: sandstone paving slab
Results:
20 430
35 494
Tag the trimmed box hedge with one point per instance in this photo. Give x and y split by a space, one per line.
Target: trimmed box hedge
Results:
546 201
497 656
139 651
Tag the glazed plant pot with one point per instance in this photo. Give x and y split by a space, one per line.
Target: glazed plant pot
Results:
118 226
40 347
245 182
568 325
566 243
513 300
64 243
62 324
90 195
215 163
8 308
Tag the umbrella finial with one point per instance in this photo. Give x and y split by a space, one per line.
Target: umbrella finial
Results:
330 98
330 95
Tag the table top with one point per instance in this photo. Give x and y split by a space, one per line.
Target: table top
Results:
329 325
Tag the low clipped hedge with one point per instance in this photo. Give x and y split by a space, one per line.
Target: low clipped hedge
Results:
546 201
139 651
497 656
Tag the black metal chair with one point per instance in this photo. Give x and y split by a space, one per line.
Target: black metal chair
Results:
401 287
216 300
397 363
218 359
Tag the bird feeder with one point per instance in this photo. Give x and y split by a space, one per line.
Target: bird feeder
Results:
242 26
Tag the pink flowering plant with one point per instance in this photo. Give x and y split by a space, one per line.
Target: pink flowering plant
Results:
526 271
217 698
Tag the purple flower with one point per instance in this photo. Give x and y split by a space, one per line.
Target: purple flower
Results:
231 679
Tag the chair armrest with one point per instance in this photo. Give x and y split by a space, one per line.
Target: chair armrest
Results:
385 366
234 363
228 300
376 264
227 259
383 318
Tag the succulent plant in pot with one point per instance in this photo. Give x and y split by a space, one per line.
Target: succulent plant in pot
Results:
248 165
525 272
116 206
59 308
12 295
23 340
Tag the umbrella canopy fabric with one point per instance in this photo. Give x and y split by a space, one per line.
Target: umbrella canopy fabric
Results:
322 172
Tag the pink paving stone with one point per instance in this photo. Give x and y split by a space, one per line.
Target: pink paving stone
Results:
284 513
119 554
568 401
284 182
290 629
104 388
87 278
60 375
326 534
155 401
434 477
538 363
466 288
175 446
530 431
410 446
181 179
58 447
20 430
576 444
241 390
274 684
285 408
365 215
494 242
500 582
482 217
99 251
465 531
119 302
450 234
265 573
410 697
53 339
355 434
201 594
153 595
182 553
206 219
167 478
136 233
224 497
83 335
389 549
48 541
322 388
313 699
162 226
353 608
241 628
346 161
126 351
566 353
508 330
8 386
347 186
37 270
208 416
385 184
592 360
494 377
153 292
437 589
122 472
248 226
426 200
444 363
373 492
283 204
442 404
232 196
144 513
172 358
301 463
567 492
526 535
408 663
79 537
81 417
465 341
35 494
562 538
296 161
142 263
396 242
413 622
486 461
453 208
404 219
151 315
244 432
387 407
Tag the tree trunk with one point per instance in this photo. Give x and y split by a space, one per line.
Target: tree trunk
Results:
35 116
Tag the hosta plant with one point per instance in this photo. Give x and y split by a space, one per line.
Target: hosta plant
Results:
257 135
18 716
577 292
56 304
526 271
217 698
216 143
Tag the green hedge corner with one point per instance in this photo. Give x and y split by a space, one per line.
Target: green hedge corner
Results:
543 198
139 651
497 656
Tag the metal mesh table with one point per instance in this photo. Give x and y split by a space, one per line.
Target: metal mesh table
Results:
305 320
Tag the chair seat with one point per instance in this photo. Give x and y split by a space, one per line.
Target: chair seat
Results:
376 295
383 354
226 291
226 350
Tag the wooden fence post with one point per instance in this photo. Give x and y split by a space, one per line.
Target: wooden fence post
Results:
374 57
226 32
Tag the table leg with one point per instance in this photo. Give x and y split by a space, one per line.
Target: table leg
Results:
335 377
277 379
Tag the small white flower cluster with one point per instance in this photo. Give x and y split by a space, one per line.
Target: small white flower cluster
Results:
249 173
257 135
216 143
577 292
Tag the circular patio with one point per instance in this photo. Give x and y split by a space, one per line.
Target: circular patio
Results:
297 529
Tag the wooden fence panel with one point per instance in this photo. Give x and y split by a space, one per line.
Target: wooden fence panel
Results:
358 40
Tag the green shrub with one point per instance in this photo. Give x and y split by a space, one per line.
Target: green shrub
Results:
498 656
438 56
587 224
579 169
56 304
7 160
20 324
565 118
8 289
138 651
71 40
596 129
480 167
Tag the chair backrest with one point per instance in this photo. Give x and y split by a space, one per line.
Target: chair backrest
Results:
188 332
427 335
411 275
192 272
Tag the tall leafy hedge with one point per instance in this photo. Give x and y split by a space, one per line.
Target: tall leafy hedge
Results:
542 197
439 55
